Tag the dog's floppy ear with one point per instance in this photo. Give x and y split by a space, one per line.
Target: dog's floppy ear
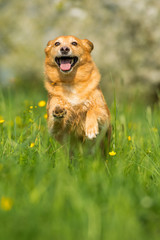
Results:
88 44
49 45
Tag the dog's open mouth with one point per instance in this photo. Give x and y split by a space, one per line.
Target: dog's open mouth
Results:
66 63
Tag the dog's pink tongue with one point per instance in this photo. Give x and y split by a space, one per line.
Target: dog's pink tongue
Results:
65 65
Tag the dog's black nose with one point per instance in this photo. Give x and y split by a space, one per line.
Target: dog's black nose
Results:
65 50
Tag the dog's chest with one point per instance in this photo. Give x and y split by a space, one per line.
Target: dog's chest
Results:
73 97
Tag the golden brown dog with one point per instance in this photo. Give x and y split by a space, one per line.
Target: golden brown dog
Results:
76 104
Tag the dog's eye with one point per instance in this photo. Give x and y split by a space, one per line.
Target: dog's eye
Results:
74 43
57 44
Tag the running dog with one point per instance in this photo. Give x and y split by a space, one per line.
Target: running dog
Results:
76 105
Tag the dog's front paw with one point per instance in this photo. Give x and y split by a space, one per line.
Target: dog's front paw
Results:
59 112
92 131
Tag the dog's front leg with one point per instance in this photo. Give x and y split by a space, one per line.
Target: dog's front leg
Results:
56 109
91 125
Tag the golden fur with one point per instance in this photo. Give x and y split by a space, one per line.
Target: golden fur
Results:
75 102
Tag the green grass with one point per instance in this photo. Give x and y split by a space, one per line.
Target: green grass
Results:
51 197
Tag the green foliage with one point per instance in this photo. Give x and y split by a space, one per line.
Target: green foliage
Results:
46 195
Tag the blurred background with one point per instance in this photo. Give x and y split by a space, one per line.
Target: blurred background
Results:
126 36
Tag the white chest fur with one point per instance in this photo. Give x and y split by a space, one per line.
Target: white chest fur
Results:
73 99
72 96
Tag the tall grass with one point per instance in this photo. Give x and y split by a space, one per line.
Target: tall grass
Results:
45 195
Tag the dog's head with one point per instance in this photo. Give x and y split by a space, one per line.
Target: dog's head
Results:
68 52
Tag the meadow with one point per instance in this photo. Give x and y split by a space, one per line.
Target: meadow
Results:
45 195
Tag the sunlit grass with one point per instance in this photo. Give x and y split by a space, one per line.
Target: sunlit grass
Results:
46 194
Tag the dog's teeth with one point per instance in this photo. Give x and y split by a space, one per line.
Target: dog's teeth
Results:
72 61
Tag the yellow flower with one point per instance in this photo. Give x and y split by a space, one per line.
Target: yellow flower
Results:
6 203
18 120
2 121
30 120
42 103
112 153
31 107
35 106
32 145
129 138
154 129
45 116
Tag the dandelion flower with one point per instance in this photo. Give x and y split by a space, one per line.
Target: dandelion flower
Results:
32 144
42 103
154 129
31 107
18 120
6 203
45 116
30 120
112 153
129 138
2 121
